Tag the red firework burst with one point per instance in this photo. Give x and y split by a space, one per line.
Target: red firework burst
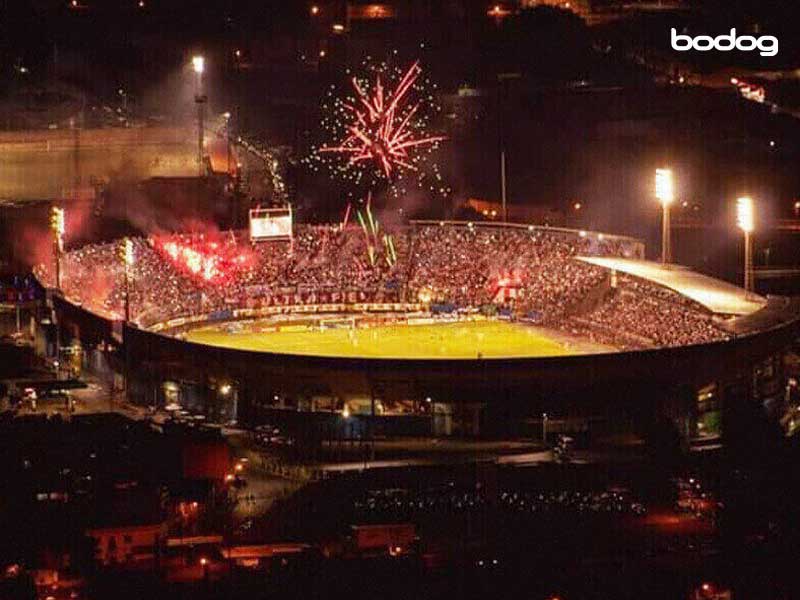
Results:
382 129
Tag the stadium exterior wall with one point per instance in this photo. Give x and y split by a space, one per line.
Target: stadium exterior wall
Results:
640 384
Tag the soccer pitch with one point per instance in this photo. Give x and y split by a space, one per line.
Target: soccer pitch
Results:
468 340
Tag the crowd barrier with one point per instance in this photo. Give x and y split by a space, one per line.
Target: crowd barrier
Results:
271 311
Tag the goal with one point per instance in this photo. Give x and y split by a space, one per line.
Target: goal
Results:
337 323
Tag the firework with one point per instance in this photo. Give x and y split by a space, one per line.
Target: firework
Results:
367 238
380 130
346 216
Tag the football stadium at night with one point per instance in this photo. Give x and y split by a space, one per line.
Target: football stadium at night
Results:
435 328
452 299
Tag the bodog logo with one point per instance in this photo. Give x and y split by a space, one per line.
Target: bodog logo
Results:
766 44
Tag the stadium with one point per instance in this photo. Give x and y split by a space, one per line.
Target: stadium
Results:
431 327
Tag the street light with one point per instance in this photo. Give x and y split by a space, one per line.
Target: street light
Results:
666 194
746 221
199 67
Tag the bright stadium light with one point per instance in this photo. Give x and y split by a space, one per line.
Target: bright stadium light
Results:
745 219
198 64
125 253
128 252
744 214
664 187
58 227
665 192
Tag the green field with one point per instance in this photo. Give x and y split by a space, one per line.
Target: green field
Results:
447 340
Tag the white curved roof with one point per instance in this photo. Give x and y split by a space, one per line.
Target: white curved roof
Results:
718 296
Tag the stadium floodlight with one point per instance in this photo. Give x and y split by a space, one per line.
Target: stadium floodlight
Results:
665 192
198 64
745 219
744 214
127 259
58 227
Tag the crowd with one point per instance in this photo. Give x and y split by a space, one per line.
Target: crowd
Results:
639 314
529 273
464 266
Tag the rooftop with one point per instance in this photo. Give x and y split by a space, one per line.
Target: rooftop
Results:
718 296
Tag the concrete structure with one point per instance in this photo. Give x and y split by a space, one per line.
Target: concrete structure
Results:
72 163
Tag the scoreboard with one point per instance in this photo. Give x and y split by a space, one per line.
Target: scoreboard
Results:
270 223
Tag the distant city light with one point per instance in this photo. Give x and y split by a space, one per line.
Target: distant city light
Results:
338 27
498 11
314 10
744 214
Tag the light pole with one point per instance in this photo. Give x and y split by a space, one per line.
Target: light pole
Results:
544 429
745 219
227 117
57 226
199 66
503 79
126 257
666 194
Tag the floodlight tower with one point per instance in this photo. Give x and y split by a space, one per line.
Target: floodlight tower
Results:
200 99
58 227
125 254
666 194
745 218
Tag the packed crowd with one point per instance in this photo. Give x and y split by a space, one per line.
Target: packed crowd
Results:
530 273
464 266
639 315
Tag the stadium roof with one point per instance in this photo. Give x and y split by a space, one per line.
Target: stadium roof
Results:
718 296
